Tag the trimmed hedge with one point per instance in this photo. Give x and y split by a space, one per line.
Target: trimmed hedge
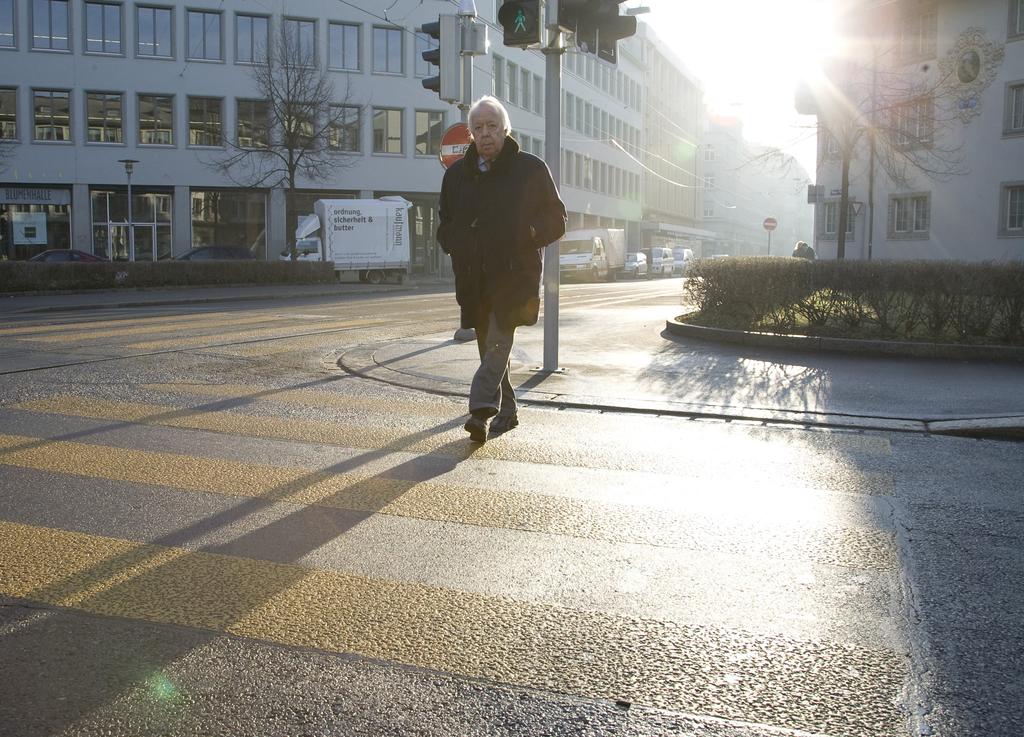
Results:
937 301
29 276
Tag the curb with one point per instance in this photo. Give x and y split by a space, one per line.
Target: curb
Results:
361 361
848 345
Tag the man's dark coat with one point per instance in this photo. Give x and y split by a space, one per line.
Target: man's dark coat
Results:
493 225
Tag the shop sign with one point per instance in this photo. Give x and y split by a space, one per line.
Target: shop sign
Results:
34 196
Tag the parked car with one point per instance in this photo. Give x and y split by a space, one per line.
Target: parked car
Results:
636 265
681 260
66 254
216 253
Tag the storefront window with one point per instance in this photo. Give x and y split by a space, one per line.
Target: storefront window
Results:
224 217
151 220
33 220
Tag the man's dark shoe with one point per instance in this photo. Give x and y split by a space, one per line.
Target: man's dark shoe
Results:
477 429
504 423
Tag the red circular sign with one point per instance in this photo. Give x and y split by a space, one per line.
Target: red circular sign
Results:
454 143
770 223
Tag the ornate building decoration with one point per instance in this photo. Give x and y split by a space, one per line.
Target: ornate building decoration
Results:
968 68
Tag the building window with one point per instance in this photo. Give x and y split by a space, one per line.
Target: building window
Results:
709 210
422 68
156 120
429 128
204 36
387 131
344 132
512 80
252 38
1011 210
153 31
709 152
1016 28
251 123
914 123
103 117
387 50
8 40
224 217
498 81
1014 125
103 28
525 88
918 29
8 114
300 37
52 110
204 121
343 46
709 182
50 22
830 225
538 95
909 216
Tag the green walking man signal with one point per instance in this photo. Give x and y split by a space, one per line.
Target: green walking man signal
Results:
520 22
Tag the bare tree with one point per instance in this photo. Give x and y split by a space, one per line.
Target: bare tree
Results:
901 117
298 128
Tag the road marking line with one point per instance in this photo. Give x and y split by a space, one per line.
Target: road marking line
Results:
729 673
446 501
151 345
164 328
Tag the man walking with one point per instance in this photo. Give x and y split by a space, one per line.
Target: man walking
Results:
499 208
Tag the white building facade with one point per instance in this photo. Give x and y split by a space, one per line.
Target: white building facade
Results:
941 82
85 84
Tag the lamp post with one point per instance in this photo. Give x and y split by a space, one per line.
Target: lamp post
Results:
129 164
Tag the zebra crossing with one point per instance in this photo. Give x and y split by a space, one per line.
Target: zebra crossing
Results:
689 566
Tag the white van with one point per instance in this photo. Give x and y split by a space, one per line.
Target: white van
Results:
681 259
659 261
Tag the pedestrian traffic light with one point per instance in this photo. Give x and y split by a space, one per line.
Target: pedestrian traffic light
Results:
520 20
597 25
446 57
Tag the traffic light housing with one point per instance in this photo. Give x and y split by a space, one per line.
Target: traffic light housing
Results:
597 25
521 22
446 57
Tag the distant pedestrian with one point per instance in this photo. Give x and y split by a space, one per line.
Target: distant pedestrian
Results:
499 207
802 249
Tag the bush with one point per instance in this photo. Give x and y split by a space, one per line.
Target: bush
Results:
29 276
940 301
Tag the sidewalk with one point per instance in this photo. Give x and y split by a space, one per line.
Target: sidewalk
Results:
639 365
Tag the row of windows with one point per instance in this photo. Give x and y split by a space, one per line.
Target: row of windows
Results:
909 215
917 28
156 33
593 122
605 77
584 172
517 86
105 115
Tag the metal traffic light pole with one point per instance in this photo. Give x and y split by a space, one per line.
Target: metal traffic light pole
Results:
467 12
553 51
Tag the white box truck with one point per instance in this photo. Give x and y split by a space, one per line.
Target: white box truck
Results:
592 254
367 236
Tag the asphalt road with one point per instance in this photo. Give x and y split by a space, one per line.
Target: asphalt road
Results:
208 528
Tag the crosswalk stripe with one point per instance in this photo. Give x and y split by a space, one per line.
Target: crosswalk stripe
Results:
446 501
198 323
125 322
182 342
549 444
695 669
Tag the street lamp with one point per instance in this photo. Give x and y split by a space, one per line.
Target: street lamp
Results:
129 164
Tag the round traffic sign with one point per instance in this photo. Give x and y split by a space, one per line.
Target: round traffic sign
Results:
454 143
770 224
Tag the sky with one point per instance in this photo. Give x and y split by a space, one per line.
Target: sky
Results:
750 56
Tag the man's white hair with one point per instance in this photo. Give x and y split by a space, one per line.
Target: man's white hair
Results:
494 103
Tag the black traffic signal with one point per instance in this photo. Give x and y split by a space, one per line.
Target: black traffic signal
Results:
446 57
597 25
521 22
